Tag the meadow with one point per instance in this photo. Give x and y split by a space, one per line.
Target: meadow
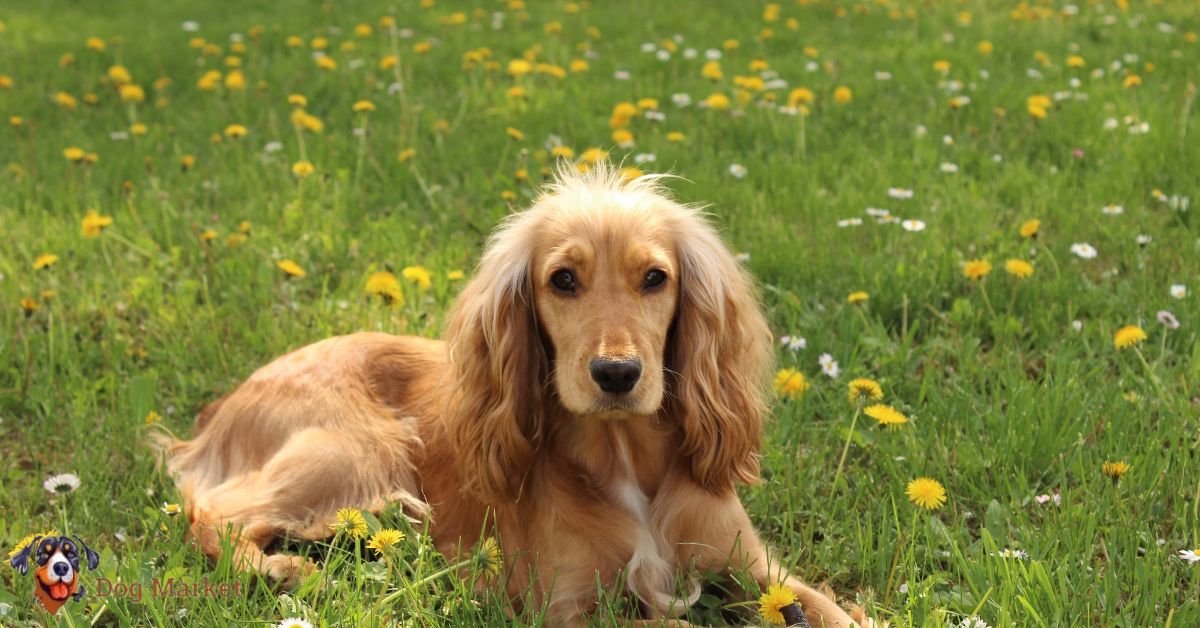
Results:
986 207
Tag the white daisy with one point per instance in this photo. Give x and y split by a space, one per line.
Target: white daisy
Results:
1011 553
690 53
1191 556
171 509
649 47
829 366
793 343
644 158
913 225
1143 239
61 483
1179 291
900 193
1112 210
849 222
972 622
1077 325
191 26
663 55
1083 250
294 622
737 170
712 54
876 212
681 99
622 75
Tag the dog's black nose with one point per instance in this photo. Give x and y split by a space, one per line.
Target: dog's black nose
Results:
616 376
61 569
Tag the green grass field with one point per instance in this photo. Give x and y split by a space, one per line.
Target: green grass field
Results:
971 117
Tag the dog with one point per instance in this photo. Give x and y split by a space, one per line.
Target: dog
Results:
56 578
599 395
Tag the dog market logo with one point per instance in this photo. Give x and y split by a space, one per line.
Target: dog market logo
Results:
57 561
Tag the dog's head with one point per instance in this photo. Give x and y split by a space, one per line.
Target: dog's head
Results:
613 301
56 574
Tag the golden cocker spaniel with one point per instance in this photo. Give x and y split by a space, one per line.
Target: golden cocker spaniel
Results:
599 395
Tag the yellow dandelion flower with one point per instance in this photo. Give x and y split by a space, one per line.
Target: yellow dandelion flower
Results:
578 65
74 153
863 389
514 133
772 603
94 223
385 540
800 96
303 168
790 383
1075 61
885 414
977 269
45 260
364 105
712 71
351 522
290 268
1019 268
95 44
384 284
455 275
326 62
187 162
717 101
1128 336
235 81
29 305
119 74
1115 470
418 275
208 235
519 67
153 417
235 240
676 136
857 297
65 100
488 558
1029 228
236 131
842 95
297 100
985 47
927 493
137 128
1132 80
563 152
406 154
27 539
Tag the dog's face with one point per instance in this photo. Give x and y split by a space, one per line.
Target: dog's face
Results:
605 294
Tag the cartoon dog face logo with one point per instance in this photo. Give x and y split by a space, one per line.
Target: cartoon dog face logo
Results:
56 576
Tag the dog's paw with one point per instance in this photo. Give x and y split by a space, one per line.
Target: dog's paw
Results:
287 571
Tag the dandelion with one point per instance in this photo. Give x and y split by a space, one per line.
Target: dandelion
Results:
61 483
842 95
790 383
364 106
1115 470
977 269
27 539
514 133
153 418
235 131
384 284
29 305
418 275
294 622
1029 228
290 268
94 223
772 603
1192 556
171 509
45 260
65 100
857 297
488 559
385 540
351 522
885 414
862 389
455 275
927 493
303 168
1128 336
74 153
716 101
1018 268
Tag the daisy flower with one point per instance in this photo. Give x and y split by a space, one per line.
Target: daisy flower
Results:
61 483
1112 210
926 492
772 603
850 222
793 343
829 366
1128 336
737 170
1083 250
900 193
1191 556
171 509
1012 553
913 225
1178 291
293 622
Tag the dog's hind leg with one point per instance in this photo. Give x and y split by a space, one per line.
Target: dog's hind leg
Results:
298 491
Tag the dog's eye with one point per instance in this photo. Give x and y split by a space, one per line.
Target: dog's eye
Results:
654 279
564 281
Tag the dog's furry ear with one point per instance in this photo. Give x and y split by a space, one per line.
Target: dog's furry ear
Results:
720 351
20 560
498 366
92 557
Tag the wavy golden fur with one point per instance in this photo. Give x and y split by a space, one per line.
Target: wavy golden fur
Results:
600 394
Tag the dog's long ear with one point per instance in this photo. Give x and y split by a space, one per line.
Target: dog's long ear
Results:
498 366
720 351
20 560
93 557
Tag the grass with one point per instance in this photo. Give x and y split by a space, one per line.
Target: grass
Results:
1007 400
